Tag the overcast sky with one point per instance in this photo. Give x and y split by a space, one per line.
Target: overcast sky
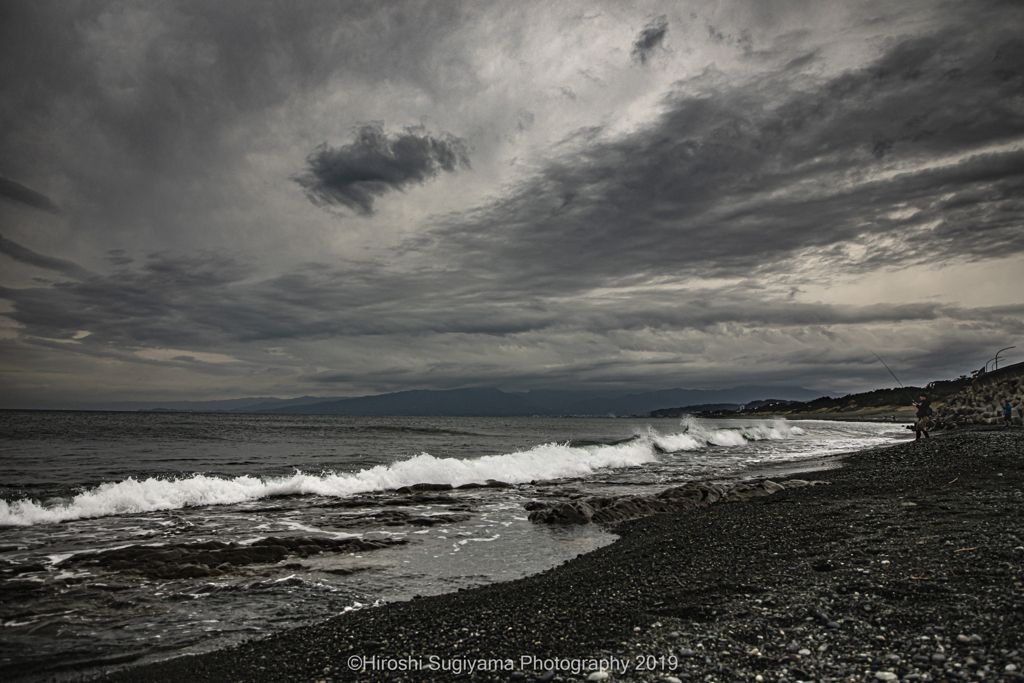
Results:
222 199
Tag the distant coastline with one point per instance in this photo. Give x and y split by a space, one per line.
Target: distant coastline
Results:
470 402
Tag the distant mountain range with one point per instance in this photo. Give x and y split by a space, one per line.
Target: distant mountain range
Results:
486 402
718 407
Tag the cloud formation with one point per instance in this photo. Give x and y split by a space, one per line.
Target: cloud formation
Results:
376 163
17 192
385 331
25 255
734 180
649 38
764 202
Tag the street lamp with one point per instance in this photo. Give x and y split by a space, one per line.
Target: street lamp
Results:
999 352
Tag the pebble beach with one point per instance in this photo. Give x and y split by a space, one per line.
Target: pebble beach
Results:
904 563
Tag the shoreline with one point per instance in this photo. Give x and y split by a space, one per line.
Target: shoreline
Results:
901 415
908 564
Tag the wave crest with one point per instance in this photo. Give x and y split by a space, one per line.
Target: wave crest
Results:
547 461
543 462
696 435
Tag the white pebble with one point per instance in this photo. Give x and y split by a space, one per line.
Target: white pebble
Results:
672 679
886 676
598 676
1011 667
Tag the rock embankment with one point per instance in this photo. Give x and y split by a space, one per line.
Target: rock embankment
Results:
214 558
603 510
983 402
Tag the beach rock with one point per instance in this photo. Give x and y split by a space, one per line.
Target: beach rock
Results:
614 509
424 487
420 499
213 558
819 616
490 484
575 512
745 491
434 520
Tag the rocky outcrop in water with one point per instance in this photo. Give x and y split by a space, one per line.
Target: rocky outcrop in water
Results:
415 488
615 509
401 518
982 403
214 558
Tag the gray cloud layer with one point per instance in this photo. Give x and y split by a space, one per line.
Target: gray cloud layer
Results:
374 163
736 180
17 192
25 255
674 248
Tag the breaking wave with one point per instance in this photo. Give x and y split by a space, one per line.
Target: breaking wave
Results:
543 462
696 436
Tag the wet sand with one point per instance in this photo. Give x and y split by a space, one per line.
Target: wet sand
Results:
907 564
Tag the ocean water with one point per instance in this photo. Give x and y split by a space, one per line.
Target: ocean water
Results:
73 483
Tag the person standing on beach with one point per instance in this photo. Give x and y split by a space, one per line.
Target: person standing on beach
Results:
1008 413
924 412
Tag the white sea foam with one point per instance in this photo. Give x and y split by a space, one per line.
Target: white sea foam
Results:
696 435
547 461
543 462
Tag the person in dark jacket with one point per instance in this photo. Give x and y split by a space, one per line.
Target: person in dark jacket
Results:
1008 413
924 414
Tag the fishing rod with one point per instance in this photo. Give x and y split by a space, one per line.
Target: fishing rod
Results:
893 375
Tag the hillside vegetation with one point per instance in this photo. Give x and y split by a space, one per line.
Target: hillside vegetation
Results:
938 392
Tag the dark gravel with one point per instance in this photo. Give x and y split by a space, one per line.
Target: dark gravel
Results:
908 564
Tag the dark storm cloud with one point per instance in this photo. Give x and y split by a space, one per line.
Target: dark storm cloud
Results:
901 157
143 103
648 39
573 275
440 329
25 255
17 192
170 300
375 163
210 302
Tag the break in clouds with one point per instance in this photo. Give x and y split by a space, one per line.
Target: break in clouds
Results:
674 252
